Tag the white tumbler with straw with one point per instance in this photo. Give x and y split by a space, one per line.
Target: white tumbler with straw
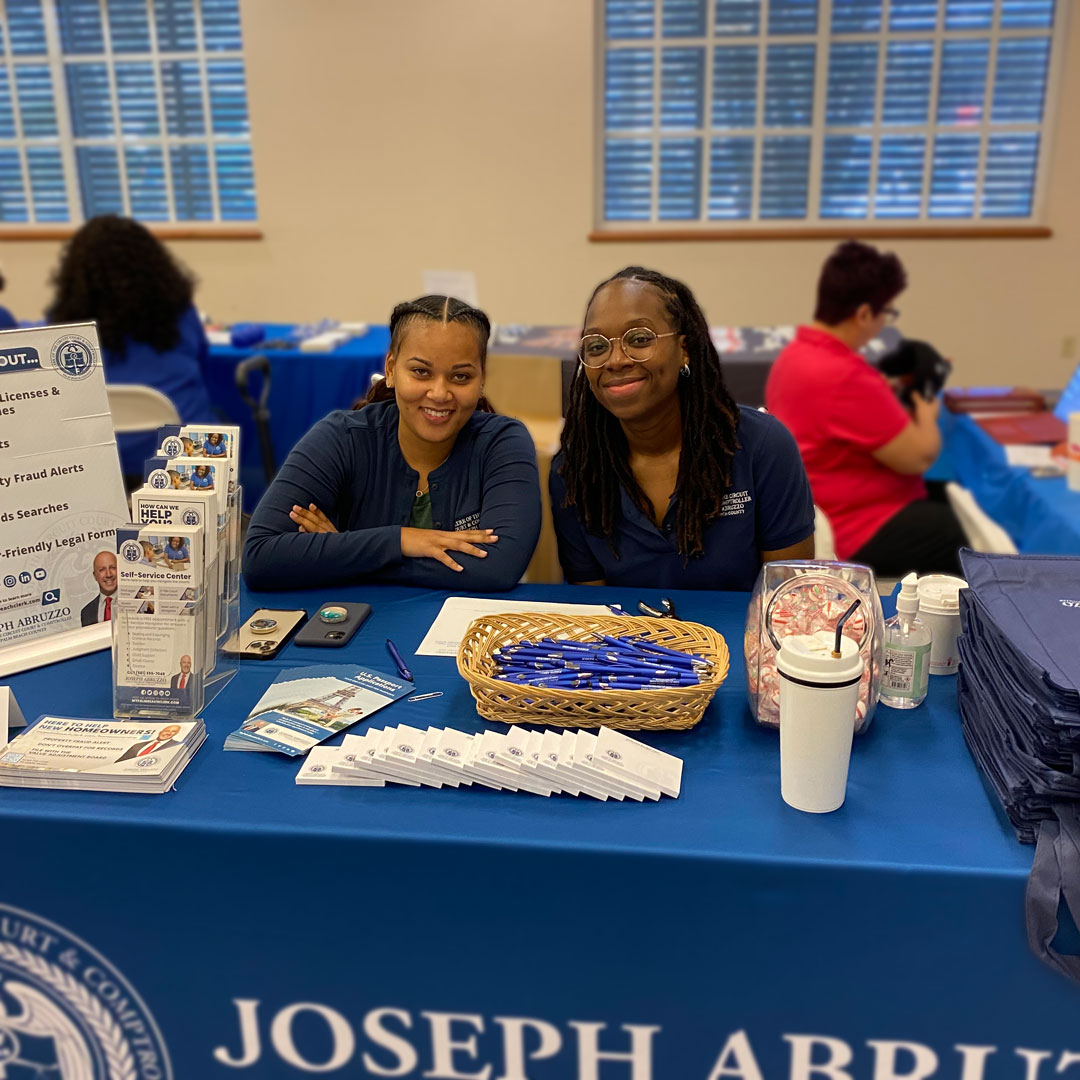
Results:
819 690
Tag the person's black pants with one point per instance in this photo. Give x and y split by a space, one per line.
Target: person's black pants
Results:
925 537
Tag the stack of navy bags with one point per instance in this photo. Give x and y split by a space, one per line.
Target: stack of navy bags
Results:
1019 696
1019 682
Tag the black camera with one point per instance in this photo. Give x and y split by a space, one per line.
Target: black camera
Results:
918 367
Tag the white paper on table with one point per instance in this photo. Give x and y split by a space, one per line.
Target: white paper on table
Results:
1031 457
446 632
11 716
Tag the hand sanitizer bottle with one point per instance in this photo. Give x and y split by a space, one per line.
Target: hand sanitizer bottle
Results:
907 651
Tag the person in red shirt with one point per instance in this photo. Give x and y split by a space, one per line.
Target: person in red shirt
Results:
865 454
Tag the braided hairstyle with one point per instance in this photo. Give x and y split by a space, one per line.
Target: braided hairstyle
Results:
440 309
596 460
116 272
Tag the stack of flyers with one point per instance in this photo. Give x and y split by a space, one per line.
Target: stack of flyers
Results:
100 755
217 444
211 441
306 705
160 640
608 765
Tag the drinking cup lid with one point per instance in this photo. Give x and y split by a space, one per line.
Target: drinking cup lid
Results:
939 594
809 658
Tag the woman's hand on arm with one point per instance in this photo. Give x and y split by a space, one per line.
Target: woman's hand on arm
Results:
438 543
311 520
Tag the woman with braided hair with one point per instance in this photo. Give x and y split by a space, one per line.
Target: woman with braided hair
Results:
423 484
662 480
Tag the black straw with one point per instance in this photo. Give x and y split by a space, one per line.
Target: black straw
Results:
840 627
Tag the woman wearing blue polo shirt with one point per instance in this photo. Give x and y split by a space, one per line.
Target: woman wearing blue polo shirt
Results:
423 485
214 444
176 550
662 480
202 478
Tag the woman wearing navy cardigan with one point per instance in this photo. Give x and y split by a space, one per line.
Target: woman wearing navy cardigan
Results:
423 485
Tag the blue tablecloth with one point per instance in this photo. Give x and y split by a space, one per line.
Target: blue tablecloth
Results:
304 387
900 917
1040 513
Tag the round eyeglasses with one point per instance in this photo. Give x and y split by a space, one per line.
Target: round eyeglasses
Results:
638 344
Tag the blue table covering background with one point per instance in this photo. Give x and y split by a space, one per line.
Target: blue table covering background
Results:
900 917
304 387
1040 513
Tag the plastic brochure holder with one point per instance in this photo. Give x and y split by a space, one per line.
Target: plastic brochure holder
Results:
190 667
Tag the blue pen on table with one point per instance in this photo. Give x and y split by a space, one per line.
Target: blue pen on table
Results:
399 661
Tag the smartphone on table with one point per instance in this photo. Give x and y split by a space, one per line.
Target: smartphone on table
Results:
333 624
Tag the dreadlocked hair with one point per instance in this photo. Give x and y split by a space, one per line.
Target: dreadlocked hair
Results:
116 272
440 309
596 458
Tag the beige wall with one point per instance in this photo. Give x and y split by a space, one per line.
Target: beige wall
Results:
458 134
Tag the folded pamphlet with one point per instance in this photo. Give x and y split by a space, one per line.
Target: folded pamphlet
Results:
304 706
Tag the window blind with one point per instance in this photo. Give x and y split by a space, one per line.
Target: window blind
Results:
124 106
802 112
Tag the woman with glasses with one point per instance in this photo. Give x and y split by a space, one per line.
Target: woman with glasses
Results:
422 484
864 452
662 480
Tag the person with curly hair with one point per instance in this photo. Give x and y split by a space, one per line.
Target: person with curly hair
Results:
662 480
115 272
421 484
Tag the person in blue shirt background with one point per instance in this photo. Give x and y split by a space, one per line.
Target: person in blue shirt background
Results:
202 477
214 444
423 485
662 480
115 272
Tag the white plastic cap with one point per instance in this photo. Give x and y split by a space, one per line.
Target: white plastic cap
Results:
907 603
939 594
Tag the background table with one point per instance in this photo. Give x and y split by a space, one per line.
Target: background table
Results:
304 387
899 917
1039 513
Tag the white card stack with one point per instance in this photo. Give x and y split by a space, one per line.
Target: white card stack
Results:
143 756
603 765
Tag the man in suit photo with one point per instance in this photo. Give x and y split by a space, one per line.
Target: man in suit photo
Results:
165 740
100 608
181 681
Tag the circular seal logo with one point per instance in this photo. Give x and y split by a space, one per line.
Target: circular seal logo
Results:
514 751
191 517
73 356
405 748
450 752
131 551
159 480
146 762
614 755
172 447
317 769
65 1011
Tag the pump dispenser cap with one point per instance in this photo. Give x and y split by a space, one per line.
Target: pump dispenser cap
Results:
907 603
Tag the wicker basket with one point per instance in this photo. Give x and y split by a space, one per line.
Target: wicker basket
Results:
651 710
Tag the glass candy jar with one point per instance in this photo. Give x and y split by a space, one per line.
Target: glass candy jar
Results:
801 596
